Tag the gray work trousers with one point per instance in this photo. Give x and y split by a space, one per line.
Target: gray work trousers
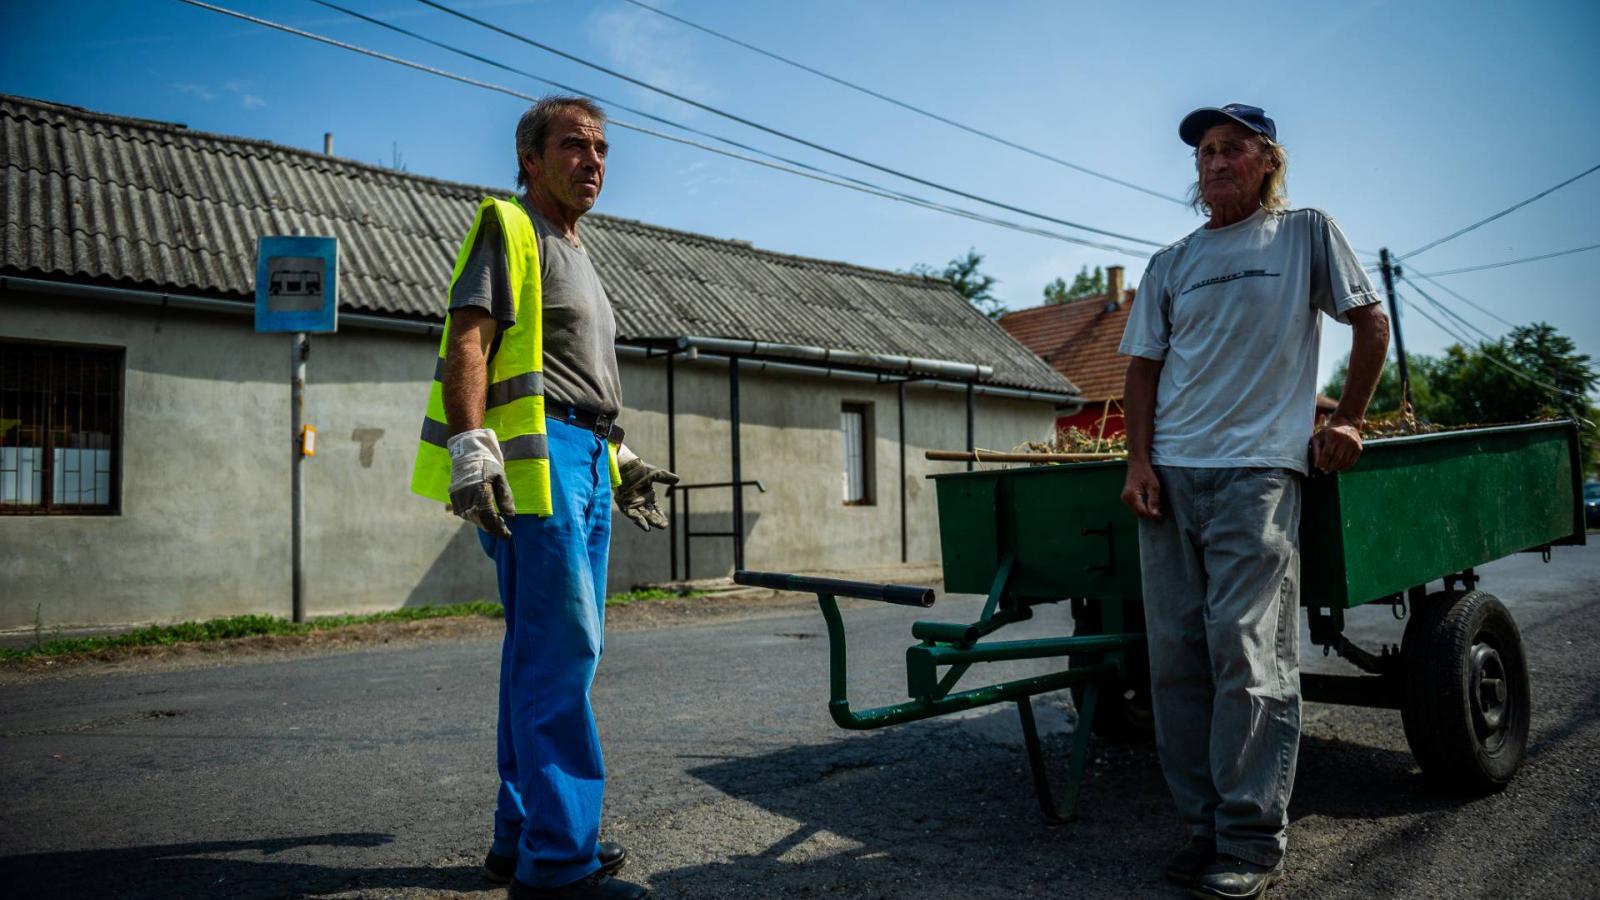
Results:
1221 591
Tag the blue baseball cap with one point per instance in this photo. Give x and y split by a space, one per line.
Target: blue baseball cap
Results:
1194 125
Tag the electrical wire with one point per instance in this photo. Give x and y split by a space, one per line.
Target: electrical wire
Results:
1451 313
814 175
1486 354
907 106
1513 262
783 134
1452 292
1481 222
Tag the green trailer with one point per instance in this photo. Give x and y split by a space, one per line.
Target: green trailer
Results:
1406 527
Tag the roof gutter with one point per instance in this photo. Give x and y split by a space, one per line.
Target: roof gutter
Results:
907 365
1070 402
204 304
745 349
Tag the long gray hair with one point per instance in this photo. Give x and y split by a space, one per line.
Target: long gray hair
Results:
1274 190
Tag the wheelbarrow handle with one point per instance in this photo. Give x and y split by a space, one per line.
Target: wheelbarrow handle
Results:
902 594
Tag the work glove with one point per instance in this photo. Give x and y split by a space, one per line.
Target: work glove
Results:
636 495
479 491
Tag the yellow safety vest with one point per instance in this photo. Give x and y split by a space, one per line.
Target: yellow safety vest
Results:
514 406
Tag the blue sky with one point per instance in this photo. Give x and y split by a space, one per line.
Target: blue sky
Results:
1405 121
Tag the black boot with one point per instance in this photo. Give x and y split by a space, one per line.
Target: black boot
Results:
598 886
1231 878
501 869
1187 864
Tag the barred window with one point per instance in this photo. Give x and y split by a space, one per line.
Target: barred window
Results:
60 429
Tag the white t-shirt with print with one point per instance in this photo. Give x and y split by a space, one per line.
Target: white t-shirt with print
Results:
1233 314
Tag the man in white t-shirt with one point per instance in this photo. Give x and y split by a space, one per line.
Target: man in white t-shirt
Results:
1220 401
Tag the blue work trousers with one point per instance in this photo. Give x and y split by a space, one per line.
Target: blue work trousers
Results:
553 586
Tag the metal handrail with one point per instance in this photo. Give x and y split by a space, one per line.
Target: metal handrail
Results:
738 526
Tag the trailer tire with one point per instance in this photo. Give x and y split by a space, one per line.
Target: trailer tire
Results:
1466 708
1122 712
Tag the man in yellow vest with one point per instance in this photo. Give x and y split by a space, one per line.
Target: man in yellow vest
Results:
521 439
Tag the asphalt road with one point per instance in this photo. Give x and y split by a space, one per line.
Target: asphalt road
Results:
370 774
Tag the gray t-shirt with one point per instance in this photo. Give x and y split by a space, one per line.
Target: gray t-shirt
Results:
1233 312
580 332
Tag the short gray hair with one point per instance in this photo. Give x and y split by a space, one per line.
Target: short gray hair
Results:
1274 190
533 129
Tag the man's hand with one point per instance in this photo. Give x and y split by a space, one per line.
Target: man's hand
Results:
1337 446
636 495
1142 492
479 491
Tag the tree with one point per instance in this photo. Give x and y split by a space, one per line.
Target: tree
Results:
1083 285
1428 405
963 275
1476 385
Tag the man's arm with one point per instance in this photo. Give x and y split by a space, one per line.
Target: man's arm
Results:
1338 445
479 491
1141 492
466 367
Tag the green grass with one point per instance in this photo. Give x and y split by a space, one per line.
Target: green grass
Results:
626 597
250 626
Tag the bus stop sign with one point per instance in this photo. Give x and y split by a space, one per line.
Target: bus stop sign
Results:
297 282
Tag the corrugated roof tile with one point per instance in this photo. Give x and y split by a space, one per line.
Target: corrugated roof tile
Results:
113 198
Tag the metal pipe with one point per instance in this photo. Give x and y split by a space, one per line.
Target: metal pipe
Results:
891 362
970 444
434 329
738 478
672 466
998 457
299 349
900 411
206 304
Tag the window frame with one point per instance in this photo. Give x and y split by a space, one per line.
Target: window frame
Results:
115 360
869 462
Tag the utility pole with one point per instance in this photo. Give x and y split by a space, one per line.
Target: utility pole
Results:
300 348
1390 271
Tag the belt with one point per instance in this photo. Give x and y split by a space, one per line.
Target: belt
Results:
602 425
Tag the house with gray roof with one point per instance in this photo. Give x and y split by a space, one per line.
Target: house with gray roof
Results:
145 445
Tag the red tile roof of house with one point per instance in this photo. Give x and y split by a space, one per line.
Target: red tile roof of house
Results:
1079 339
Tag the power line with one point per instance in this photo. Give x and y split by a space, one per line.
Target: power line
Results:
783 134
1450 312
815 174
907 106
1513 262
1456 294
609 102
1481 222
1486 354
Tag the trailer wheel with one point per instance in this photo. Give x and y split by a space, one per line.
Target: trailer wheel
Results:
1123 714
1466 707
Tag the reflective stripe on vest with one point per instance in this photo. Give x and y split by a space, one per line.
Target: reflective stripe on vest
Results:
514 401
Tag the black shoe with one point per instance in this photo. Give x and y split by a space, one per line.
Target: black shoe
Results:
598 886
501 869
1185 865
1231 878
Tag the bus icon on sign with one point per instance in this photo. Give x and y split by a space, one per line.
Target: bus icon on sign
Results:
299 283
294 283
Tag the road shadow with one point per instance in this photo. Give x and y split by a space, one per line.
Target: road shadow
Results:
216 869
1344 779
933 810
930 810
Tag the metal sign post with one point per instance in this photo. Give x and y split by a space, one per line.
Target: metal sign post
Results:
297 280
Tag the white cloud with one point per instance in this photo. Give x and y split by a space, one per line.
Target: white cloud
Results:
198 91
649 48
251 101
